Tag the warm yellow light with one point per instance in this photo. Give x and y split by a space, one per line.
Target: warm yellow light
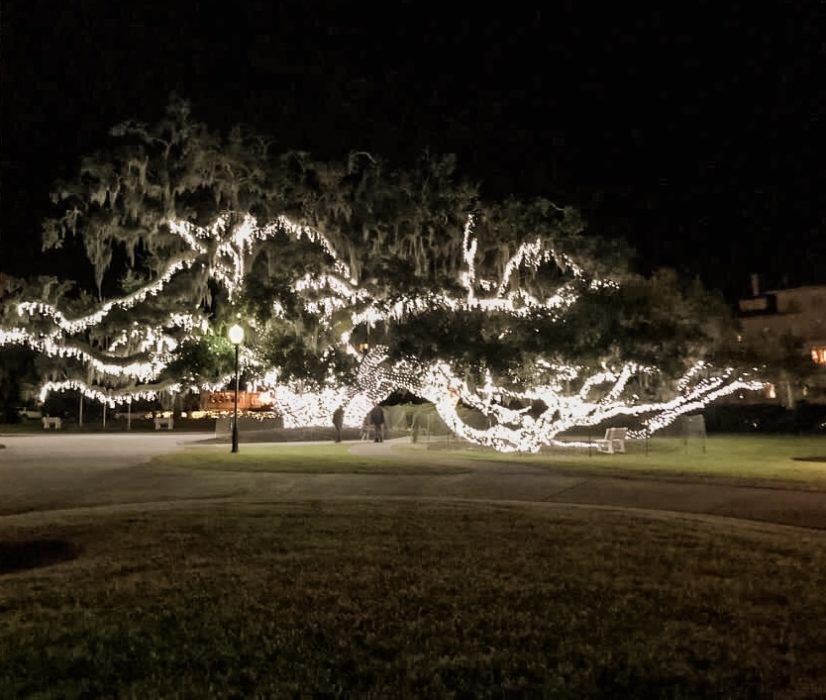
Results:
236 334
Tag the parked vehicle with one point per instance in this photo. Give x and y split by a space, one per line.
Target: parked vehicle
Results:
29 413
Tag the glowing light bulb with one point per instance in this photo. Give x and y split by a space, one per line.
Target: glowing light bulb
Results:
236 334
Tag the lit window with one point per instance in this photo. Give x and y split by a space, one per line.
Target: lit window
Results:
771 392
819 355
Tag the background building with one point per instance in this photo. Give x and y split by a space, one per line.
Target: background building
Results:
788 328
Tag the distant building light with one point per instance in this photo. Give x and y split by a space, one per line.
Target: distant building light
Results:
754 305
819 355
771 391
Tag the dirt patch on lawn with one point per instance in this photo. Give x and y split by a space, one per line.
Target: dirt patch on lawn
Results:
34 554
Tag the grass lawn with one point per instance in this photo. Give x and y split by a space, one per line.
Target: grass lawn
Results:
29 426
411 599
320 459
750 457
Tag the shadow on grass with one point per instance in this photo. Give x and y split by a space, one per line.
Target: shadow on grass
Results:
35 554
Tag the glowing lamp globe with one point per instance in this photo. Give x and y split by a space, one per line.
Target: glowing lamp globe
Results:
236 334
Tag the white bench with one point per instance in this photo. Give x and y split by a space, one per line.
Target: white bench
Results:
164 423
614 441
52 422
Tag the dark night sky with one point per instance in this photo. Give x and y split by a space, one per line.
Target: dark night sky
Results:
697 135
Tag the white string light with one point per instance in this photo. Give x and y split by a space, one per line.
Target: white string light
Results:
571 397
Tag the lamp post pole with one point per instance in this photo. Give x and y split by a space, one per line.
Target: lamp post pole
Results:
235 412
236 336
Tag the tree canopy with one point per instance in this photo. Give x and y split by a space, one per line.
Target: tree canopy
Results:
187 230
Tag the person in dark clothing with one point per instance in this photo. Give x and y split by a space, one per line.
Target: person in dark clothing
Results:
377 419
338 421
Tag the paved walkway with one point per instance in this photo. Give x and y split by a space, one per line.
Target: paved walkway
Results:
778 503
47 470
58 471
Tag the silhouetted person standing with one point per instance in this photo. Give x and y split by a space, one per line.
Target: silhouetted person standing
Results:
377 419
338 421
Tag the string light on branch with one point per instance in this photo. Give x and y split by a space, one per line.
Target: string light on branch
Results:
133 363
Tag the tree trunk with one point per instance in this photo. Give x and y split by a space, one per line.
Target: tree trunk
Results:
789 396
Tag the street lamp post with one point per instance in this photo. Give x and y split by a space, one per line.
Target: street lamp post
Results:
236 337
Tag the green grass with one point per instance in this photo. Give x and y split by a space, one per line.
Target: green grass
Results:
748 457
412 599
318 459
30 426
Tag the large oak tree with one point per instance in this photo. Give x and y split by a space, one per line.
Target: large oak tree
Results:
497 304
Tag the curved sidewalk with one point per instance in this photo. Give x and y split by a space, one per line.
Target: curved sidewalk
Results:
775 502
76 471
